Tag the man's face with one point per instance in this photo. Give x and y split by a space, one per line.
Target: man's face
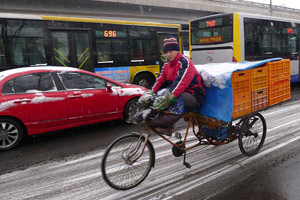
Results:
171 54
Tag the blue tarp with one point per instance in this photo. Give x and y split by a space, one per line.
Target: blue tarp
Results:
217 82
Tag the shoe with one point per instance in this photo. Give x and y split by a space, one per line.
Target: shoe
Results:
165 131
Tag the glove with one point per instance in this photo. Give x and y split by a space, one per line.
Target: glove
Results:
146 98
163 102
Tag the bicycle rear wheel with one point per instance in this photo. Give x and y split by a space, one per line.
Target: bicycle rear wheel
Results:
127 162
253 134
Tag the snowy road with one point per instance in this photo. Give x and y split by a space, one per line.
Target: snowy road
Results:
80 178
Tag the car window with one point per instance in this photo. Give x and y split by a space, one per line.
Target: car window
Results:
76 80
31 83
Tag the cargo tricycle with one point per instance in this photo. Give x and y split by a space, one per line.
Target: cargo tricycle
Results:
129 159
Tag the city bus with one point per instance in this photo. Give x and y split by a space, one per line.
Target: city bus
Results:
125 51
236 37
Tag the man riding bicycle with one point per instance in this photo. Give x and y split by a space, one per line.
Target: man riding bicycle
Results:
183 83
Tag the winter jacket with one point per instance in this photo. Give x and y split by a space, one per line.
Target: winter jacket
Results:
180 75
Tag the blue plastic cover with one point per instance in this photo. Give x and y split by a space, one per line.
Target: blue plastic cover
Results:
216 77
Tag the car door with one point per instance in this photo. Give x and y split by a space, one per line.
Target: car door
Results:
88 98
36 101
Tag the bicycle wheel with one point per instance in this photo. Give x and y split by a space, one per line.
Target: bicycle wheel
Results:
253 134
126 163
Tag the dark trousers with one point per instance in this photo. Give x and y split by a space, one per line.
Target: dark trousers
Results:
164 120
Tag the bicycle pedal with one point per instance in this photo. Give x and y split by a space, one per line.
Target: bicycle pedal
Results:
187 165
178 135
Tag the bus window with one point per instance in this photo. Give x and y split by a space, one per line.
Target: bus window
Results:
266 44
268 38
289 40
120 52
185 37
104 53
138 37
26 39
136 50
2 49
61 48
112 46
150 50
2 53
82 44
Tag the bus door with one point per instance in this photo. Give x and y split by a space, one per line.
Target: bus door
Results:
71 49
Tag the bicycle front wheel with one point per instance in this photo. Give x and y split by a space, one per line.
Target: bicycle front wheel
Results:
127 162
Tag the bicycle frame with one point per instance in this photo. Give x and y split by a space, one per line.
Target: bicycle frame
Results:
193 120
210 131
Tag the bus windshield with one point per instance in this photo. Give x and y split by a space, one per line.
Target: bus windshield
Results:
212 30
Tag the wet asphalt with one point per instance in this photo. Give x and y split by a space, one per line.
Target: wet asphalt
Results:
279 181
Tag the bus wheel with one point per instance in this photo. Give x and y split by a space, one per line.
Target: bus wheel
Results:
144 80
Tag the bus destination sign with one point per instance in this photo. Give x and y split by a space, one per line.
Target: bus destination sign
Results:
207 40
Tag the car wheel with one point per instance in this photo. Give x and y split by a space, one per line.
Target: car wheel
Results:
11 134
128 109
144 80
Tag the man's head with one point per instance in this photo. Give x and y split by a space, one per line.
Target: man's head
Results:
171 47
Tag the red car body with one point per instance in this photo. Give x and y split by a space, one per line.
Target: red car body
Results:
76 97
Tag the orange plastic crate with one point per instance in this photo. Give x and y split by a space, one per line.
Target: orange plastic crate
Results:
241 105
241 88
279 91
241 83
259 99
279 70
259 78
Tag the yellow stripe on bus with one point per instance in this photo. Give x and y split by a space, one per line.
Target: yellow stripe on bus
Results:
61 55
179 39
108 21
236 37
60 61
84 61
83 54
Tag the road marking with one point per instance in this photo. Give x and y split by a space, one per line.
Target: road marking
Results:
200 181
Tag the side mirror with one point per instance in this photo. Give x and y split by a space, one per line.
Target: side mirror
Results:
108 87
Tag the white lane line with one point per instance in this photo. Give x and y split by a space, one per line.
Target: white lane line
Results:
272 129
200 181
279 110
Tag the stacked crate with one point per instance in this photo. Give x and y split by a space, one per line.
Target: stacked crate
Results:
259 88
279 81
241 87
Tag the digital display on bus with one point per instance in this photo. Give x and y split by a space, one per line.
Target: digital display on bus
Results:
208 40
110 33
290 30
211 23
212 30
